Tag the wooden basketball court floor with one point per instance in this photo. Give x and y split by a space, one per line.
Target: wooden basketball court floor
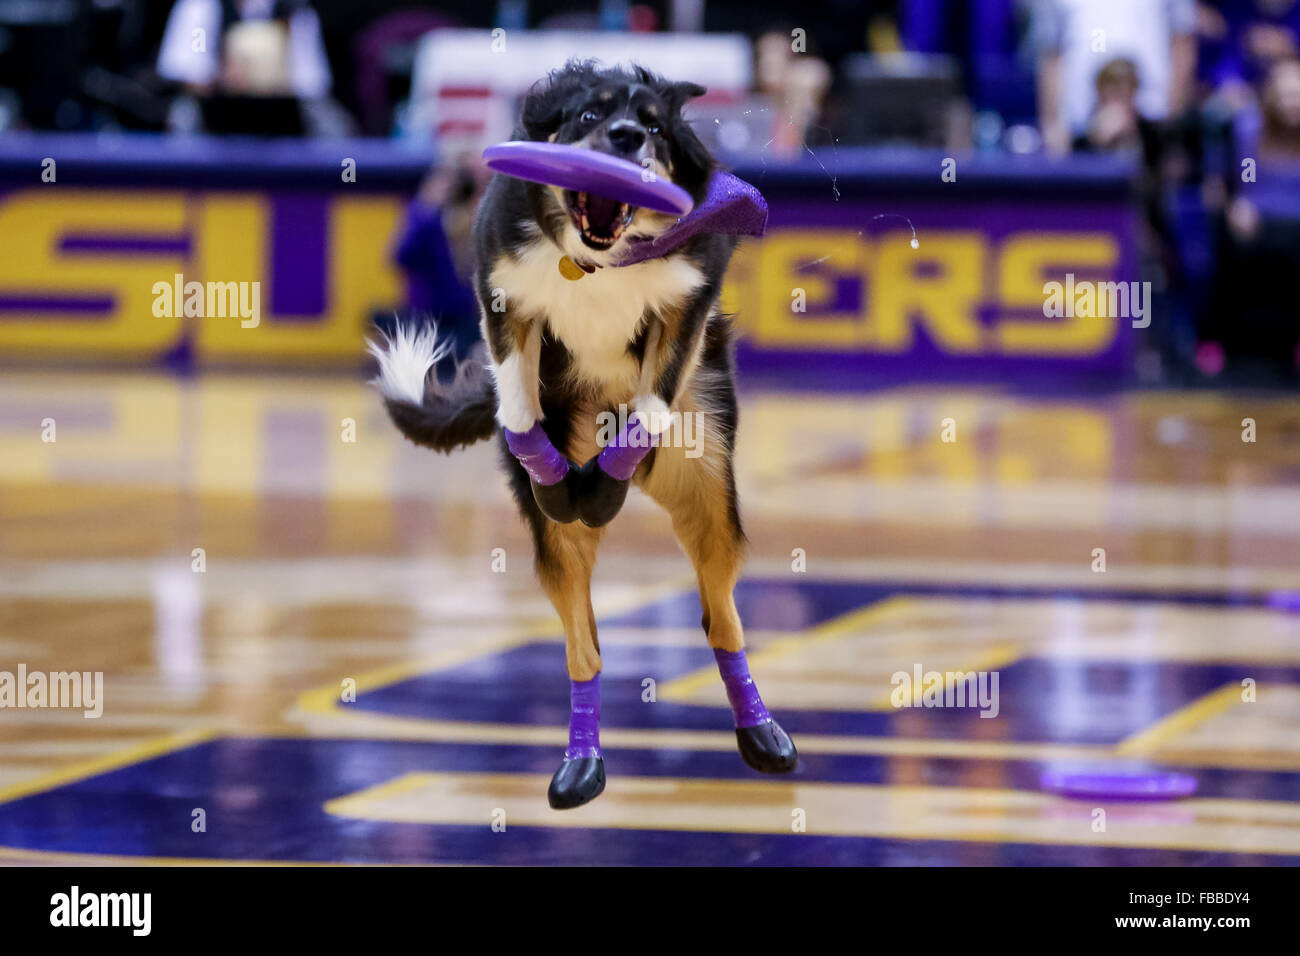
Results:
876 548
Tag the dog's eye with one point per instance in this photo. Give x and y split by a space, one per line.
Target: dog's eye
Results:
653 129
588 116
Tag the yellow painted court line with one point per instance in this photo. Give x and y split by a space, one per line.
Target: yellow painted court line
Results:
1180 721
103 859
681 688
97 765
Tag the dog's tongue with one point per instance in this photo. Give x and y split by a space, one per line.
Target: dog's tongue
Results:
601 212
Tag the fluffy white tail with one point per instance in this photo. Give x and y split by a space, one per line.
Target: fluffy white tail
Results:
442 415
405 359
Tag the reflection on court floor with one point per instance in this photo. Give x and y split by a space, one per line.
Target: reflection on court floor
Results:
331 566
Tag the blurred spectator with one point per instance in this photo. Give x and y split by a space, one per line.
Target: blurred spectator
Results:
836 28
1271 140
796 82
436 253
233 53
983 36
1259 248
246 46
1279 140
1241 39
1074 39
1116 123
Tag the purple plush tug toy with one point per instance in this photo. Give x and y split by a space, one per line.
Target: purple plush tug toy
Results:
731 206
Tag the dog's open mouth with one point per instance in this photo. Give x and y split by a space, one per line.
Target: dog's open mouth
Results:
599 220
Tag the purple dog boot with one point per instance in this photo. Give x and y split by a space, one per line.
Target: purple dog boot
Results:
547 470
581 778
763 745
599 487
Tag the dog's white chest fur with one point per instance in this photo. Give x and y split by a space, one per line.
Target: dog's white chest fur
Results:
597 315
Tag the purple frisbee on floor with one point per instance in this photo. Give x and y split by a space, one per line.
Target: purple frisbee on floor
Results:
587 171
1130 785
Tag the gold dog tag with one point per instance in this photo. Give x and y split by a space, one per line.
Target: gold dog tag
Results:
570 269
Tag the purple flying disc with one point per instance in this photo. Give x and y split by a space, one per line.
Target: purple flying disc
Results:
1134 785
587 171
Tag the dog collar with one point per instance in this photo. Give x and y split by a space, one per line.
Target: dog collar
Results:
731 206
573 270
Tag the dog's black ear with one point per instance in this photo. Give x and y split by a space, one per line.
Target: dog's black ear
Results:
544 106
543 112
692 161
679 93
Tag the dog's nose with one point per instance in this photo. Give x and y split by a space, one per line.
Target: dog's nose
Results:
626 136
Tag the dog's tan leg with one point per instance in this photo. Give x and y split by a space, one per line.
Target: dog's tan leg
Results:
698 494
565 556
564 564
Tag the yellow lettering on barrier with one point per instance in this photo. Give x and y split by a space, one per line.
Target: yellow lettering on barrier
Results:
781 258
359 275
945 303
1027 262
784 287
32 224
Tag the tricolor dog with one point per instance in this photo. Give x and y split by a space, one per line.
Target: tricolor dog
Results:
590 305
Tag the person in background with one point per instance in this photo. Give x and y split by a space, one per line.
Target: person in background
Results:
246 46
1275 148
436 253
1116 123
1240 40
795 83
1074 39
250 50
1279 140
1260 239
